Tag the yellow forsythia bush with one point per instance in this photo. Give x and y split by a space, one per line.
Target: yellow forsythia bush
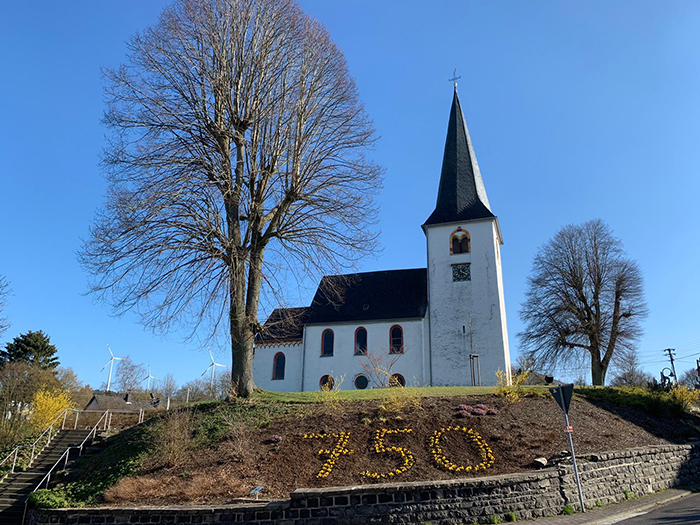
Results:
47 405
684 397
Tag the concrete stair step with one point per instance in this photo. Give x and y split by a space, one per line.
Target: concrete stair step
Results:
9 502
17 504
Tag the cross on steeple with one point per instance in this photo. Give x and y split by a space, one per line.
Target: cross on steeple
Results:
454 78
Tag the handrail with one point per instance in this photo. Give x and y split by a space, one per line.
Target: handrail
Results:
63 414
66 454
94 430
15 451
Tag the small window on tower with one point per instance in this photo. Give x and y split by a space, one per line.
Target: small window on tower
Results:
460 241
461 272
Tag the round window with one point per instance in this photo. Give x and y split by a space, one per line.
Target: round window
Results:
326 383
397 380
361 382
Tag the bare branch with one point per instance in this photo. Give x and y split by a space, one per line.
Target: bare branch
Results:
584 295
237 153
4 293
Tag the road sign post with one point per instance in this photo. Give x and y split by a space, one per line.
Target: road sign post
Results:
562 395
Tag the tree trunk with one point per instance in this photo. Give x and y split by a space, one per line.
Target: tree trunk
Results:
241 335
598 371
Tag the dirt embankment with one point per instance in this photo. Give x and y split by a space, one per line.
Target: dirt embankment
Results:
361 446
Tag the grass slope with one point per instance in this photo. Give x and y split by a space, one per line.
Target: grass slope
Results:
217 452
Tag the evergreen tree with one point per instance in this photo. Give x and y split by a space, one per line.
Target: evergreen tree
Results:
34 348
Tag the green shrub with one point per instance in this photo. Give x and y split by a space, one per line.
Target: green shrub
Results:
568 510
48 499
654 402
511 517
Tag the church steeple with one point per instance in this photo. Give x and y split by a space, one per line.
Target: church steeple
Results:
461 196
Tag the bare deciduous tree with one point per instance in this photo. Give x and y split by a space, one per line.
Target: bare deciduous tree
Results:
130 375
4 292
238 152
169 385
19 381
584 297
690 378
629 372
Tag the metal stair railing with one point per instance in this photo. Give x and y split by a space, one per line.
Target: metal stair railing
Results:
51 433
62 416
65 456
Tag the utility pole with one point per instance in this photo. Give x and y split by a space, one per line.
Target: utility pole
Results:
671 353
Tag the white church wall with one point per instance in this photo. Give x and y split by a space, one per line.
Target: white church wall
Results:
469 316
344 362
263 364
502 302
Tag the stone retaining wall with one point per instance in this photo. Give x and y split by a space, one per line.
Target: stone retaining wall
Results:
606 478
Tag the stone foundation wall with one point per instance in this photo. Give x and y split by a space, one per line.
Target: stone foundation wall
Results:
606 478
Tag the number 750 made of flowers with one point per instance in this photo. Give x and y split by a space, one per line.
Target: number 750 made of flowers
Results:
340 448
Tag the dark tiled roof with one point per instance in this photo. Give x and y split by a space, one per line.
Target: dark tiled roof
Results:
283 324
462 195
392 294
113 401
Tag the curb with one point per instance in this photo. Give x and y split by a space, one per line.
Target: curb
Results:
614 512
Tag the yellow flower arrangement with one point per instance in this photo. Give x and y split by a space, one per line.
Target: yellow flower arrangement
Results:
379 447
340 449
487 458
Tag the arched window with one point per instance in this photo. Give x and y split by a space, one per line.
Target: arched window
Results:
278 366
396 340
397 380
361 382
326 383
361 341
327 339
460 241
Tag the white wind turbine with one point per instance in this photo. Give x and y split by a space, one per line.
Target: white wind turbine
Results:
148 379
213 366
111 361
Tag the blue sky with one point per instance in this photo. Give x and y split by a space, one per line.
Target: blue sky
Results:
578 110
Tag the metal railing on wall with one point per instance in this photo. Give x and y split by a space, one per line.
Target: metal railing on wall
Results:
103 422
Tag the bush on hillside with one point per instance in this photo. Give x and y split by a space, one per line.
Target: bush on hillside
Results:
49 499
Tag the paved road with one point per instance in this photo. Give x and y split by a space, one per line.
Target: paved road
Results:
684 511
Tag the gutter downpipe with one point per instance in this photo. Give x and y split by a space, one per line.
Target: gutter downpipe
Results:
427 310
303 357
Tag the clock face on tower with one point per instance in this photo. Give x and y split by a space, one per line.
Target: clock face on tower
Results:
461 272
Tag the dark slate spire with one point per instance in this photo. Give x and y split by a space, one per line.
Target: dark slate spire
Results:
462 195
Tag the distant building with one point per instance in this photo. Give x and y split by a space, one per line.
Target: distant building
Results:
446 322
113 401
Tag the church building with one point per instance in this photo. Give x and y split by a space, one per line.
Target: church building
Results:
443 325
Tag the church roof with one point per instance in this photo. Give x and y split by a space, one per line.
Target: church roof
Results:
283 325
462 195
391 294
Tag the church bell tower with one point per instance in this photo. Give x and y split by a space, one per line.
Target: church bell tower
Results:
467 317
